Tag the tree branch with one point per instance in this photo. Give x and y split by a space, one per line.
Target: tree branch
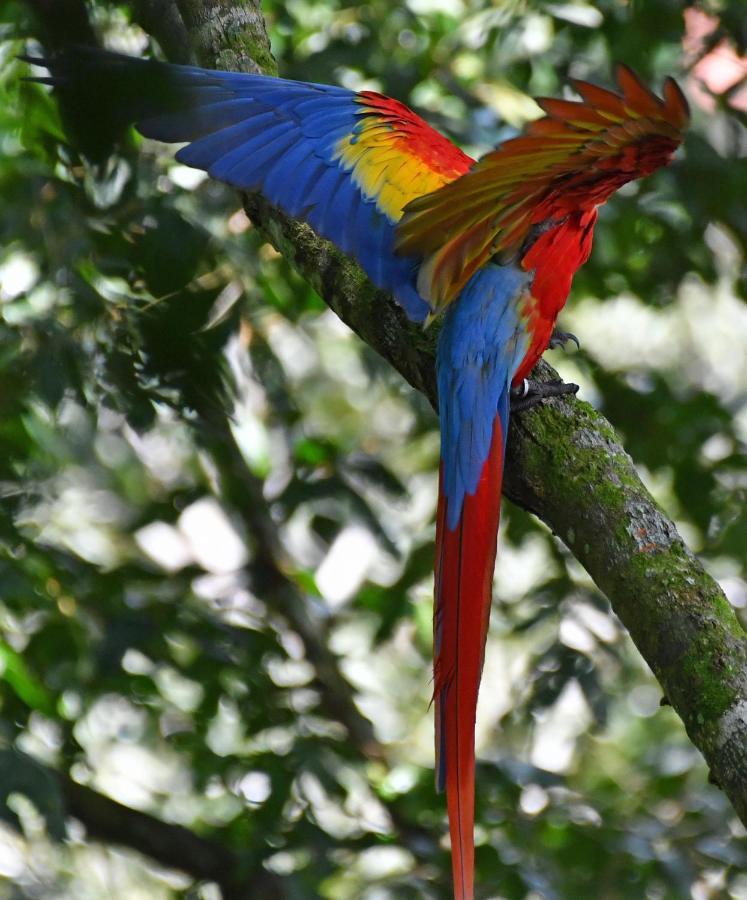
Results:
228 34
171 845
567 465
242 490
564 463
161 19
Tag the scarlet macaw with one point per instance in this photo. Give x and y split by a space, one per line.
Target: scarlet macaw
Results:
494 244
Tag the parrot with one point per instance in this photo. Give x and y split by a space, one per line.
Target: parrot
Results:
491 245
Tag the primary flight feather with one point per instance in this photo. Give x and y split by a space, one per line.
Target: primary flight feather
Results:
493 243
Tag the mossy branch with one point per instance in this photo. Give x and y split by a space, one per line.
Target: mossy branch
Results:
565 464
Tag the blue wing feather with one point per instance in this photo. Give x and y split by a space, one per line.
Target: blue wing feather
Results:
245 167
247 129
295 195
200 153
281 138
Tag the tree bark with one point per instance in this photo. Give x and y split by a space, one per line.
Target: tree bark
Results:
228 34
564 463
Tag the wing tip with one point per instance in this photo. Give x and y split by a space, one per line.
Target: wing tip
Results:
672 106
676 103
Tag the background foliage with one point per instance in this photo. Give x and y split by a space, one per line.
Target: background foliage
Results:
199 614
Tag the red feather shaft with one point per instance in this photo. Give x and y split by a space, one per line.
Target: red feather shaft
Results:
465 559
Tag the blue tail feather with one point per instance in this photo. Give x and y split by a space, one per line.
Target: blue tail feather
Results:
481 346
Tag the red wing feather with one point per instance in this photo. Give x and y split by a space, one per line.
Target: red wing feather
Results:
571 160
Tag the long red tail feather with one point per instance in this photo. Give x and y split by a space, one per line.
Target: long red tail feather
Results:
465 559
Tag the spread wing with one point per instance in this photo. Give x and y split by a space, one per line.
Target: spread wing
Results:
573 158
347 163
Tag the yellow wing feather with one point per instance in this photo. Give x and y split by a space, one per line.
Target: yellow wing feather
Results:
394 157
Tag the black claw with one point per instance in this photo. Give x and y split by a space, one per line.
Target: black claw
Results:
531 393
561 338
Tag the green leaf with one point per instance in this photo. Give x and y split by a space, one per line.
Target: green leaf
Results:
16 674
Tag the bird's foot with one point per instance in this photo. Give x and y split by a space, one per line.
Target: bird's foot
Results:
561 338
531 393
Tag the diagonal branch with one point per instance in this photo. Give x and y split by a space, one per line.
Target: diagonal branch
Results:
171 845
228 34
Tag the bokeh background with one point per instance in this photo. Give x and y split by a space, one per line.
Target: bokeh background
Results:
216 513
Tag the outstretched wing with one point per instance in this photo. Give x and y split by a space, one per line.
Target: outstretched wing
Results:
574 158
347 163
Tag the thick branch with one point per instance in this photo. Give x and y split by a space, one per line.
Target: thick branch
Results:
161 19
240 488
569 467
171 845
228 34
566 465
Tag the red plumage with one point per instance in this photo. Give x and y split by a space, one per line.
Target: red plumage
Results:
554 258
465 559
404 131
